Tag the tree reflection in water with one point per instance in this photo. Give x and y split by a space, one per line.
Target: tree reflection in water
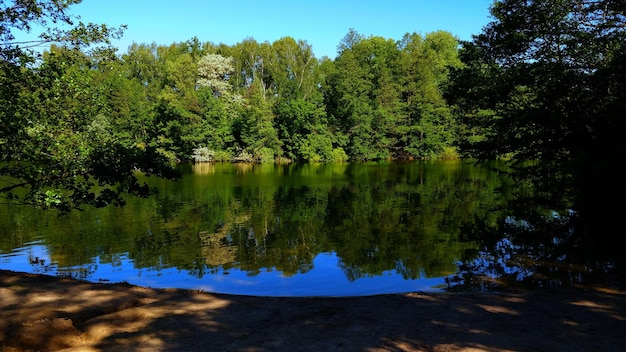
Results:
561 235
422 220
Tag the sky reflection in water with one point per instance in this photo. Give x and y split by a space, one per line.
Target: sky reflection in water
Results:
326 278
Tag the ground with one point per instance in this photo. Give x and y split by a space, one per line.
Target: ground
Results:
43 313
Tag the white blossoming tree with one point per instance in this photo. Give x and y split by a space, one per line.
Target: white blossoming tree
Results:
213 72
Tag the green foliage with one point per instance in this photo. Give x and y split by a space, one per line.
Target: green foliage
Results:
219 113
449 153
22 15
58 143
542 87
303 131
338 154
539 67
254 129
386 96
380 99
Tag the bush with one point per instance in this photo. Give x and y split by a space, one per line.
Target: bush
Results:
203 154
449 153
265 155
339 155
223 155
243 157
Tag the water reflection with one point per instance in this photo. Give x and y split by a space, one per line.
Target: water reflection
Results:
307 229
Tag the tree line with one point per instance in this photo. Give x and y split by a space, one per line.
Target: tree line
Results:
259 102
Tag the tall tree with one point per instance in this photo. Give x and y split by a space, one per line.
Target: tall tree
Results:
543 60
304 132
543 84
255 129
178 119
427 127
292 67
360 69
387 96
142 65
220 105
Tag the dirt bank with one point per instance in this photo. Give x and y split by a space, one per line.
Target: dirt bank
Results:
42 313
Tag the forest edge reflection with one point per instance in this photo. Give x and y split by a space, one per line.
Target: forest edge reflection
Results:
441 220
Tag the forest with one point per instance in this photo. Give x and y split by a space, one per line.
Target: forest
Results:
542 86
258 102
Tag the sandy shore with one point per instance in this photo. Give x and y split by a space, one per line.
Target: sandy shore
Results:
42 313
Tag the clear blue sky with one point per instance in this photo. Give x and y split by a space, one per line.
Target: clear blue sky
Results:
321 23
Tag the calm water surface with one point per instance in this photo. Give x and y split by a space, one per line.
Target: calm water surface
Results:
275 230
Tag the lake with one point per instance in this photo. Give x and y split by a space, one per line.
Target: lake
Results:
344 229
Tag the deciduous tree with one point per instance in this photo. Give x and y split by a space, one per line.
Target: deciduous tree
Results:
56 149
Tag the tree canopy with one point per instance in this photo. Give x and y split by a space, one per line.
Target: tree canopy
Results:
542 81
56 140
543 67
543 87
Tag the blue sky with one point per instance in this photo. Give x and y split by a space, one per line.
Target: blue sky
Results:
321 23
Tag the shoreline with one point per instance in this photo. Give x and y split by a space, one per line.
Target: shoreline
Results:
46 313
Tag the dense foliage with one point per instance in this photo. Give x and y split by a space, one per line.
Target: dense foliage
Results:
80 120
544 85
543 81
267 101
58 143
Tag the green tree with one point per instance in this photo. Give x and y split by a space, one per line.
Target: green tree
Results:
219 114
387 96
126 107
56 148
427 127
353 92
543 85
178 123
250 67
291 66
303 131
221 107
254 129
544 59
142 65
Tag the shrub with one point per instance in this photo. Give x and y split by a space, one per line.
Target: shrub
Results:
203 154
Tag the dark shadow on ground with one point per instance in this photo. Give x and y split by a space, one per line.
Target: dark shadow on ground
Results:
44 313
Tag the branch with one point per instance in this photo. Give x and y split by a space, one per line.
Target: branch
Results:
12 187
25 44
